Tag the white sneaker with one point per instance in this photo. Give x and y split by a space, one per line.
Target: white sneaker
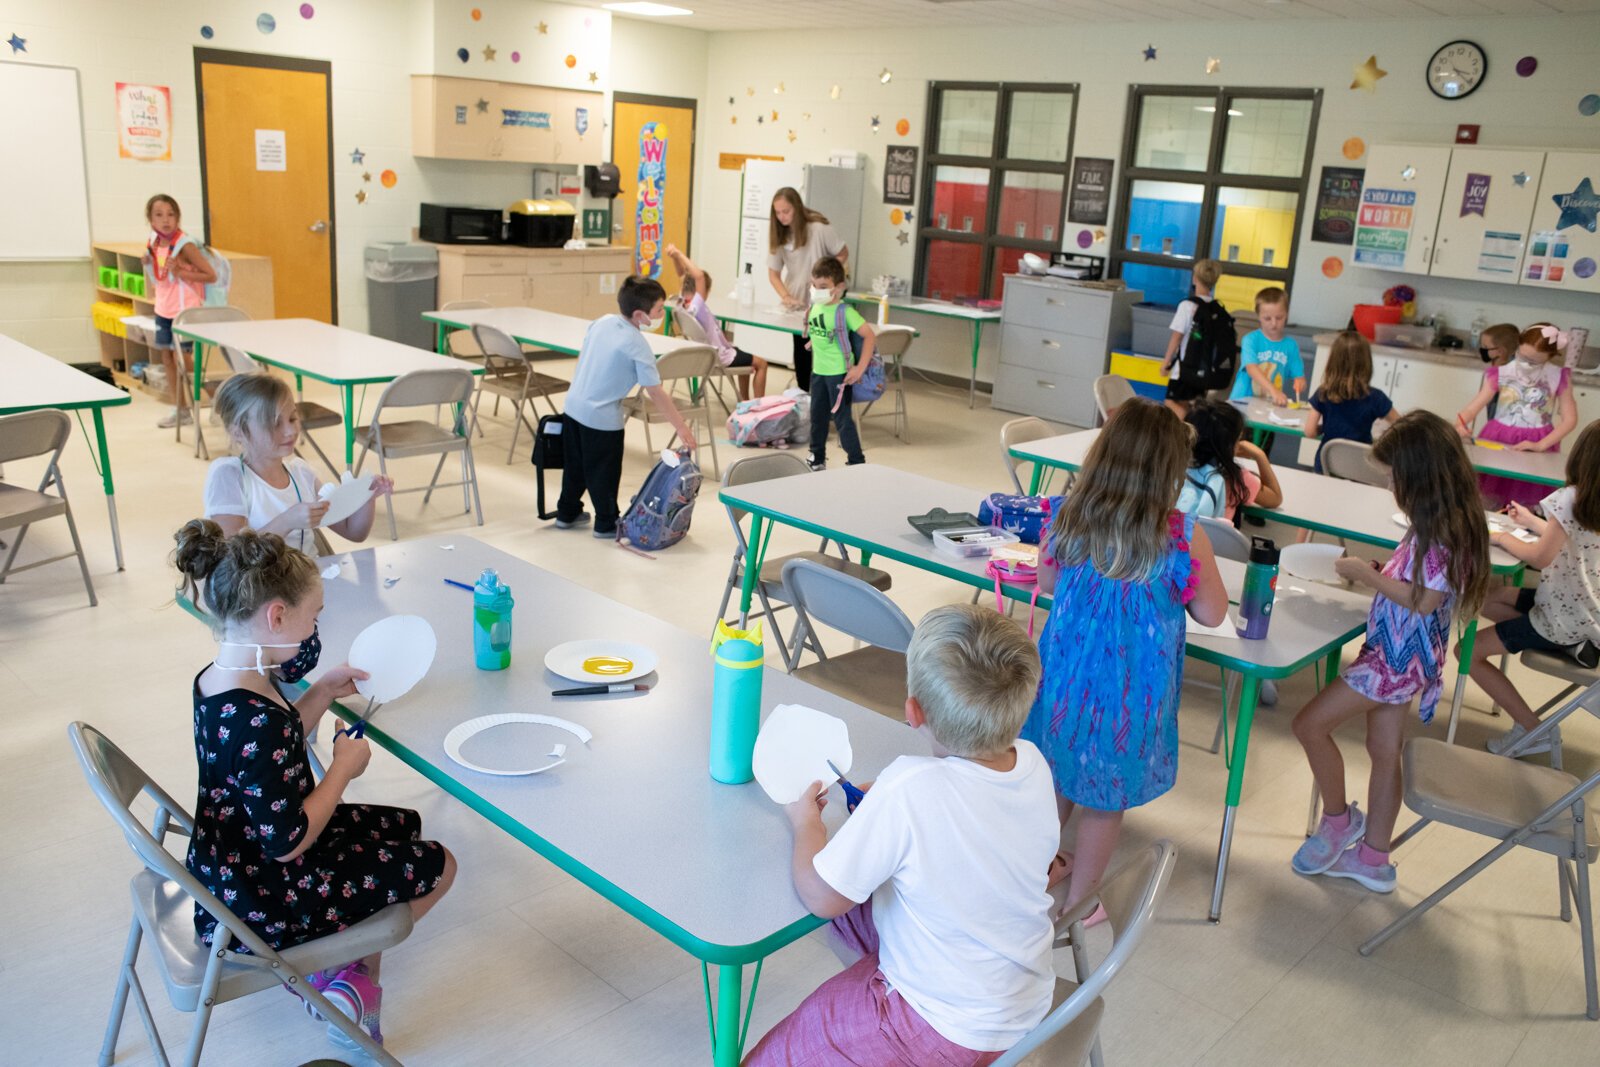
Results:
1502 744
174 417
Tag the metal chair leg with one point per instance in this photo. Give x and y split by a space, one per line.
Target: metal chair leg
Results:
435 479
388 498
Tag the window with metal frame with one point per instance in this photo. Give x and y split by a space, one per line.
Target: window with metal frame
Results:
1212 173
994 183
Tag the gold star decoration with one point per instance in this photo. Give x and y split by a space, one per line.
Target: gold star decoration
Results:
593 77
361 196
833 94
749 90
1367 75
482 105
488 53
806 115
544 27
774 116
1213 65
902 237
733 120
777 89
366 176
791 137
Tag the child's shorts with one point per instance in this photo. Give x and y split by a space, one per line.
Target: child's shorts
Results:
1518 634
163 332
741 358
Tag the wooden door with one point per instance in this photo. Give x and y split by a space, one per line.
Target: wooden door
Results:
652 144
266 151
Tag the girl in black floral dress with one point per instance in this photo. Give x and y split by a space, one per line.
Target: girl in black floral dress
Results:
280 851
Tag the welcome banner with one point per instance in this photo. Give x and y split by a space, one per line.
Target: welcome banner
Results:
651 192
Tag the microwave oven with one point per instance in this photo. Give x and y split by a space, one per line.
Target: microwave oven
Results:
443 224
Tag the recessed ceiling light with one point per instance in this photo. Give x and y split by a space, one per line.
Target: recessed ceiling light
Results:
641 7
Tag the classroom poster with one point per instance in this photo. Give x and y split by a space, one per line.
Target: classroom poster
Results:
144 122
1383 227
1338 203
1090 197
652 185
899 173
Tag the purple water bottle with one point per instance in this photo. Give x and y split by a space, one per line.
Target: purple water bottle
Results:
1260 586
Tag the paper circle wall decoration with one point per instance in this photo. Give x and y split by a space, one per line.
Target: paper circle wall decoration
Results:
1526 66
306 11
516 57
476 14
266 23
388 178
1085 238
1589 105
1584 268
1332 267
1354 148
207 32
572 61
463 55
902 127
896 217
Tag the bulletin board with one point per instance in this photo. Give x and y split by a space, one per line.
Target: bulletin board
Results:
44 201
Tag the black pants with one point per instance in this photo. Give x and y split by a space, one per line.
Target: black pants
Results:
593 464
802 362
825 389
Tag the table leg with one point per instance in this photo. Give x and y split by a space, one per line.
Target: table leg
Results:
199 349
349 393
1463 666
1038 479
105 479
752 568
730 992
1241 745
972 382
441 339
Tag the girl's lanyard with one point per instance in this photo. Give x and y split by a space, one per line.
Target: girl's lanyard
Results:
160 260
245 467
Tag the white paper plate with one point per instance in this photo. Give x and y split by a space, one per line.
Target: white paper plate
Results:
461 732
600 660
1311 561
395 652
346 498
793 750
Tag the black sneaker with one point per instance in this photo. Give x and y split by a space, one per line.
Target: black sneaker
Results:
581 519
1587 655
608 533
817 464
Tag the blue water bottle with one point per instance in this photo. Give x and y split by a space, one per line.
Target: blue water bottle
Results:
1260 586
735 708
491 622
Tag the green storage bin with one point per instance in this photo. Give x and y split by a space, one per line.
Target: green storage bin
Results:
108 277
133 283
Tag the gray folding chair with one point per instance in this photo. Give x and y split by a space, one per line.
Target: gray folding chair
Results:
689 327
893 342
508 372
199 976
769 588
1017 432
873 676
1352 461
461 343
23 436
695 362
401 440
1111 391
1521 804
208 386
1130 895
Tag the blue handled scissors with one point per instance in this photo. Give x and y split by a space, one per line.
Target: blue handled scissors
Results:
852 795
358 729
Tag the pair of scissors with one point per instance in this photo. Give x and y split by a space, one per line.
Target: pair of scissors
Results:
852 795
358 729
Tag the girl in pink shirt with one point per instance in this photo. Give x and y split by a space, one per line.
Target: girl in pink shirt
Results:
173 260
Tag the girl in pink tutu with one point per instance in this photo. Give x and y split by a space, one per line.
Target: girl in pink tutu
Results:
1535 412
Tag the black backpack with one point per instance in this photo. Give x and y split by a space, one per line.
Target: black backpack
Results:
549 452
1211 354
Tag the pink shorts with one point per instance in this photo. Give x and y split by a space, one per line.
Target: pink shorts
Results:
854 1019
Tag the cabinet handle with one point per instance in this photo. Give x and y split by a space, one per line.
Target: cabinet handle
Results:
1049 343
1044 384
1052 301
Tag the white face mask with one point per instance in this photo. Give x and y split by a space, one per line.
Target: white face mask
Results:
821 296
260 667
643 320
1525 366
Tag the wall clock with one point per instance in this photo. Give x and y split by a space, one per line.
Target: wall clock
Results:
1456 69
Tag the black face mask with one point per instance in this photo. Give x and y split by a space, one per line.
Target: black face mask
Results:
304 661
1483 354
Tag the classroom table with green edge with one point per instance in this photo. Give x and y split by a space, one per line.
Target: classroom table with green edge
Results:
549 331
634 814
307 348
1349 511
34 380
865 507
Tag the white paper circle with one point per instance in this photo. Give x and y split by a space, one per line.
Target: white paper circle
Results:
568 660
1311 561
793 750
395 652
462 732
346 498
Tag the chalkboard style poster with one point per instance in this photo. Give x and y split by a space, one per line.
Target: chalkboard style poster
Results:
1338 203
899 173
1090 200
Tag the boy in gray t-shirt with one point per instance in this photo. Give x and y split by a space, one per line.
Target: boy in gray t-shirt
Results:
614 359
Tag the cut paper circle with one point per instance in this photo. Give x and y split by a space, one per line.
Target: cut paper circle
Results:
207 32
902 127
476 14
600 660
1354 148
1311 561
516 57
896 217
306 11
1085 238
1526 66
395 652
463 55
1589 105
388 178
462 732
1584 268
571 61
793 750
1332 267
266 23
346 498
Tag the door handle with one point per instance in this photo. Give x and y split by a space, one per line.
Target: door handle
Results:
320 226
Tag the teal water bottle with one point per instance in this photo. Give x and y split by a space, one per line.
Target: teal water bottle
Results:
735 709
1260 587
491 622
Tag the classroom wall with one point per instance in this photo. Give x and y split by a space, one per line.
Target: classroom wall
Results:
1540 111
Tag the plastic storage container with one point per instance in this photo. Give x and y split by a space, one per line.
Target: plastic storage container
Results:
968 541
1152 329
402 283
540 223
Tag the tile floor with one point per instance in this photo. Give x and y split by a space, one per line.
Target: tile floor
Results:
521 964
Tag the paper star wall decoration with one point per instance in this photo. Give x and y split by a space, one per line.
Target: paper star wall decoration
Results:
488 53
1367 75
874 124
18 44
774 116
761 120
902 237
1213 65
791 137
730 101
833 94
1520 178
749 90
778 89
482 105
366 176
544 27
361 196
1149 52
1579 207
357 156
911 216
593 77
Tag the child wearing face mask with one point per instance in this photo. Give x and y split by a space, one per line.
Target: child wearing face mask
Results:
614 359
1536 410
834 370
281 851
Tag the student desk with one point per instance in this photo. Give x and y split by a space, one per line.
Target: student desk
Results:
332 354
530 326
634 815
944 309
34 380
1260 418
865 506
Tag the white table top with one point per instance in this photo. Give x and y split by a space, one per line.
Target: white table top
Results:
544 329
766 316
928 306
1547 468
1264 414
33 380
635 814
317 350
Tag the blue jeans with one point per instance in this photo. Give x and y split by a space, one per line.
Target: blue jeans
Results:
825 390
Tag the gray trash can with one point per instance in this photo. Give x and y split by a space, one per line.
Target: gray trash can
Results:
402 283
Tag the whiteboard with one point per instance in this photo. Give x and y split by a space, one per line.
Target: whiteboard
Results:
44 188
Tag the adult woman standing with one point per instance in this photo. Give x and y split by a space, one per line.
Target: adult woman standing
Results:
797 238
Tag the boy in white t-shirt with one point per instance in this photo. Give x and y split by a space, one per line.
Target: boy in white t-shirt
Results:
1179 392
938 880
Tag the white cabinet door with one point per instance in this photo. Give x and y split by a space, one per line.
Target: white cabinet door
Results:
1383 372
1484 219
1565 246
1442 388
1399 213
1587 398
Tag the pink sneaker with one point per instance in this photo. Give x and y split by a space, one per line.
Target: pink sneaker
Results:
359 998
318 980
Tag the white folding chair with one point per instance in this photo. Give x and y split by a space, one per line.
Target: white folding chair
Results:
893 342
508 372
1520 804
769 587
1130 895
199 976
208 386
461 343
1111 391
1018 432
1352 461
24 436
683 365
691 330
401 440
873 676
